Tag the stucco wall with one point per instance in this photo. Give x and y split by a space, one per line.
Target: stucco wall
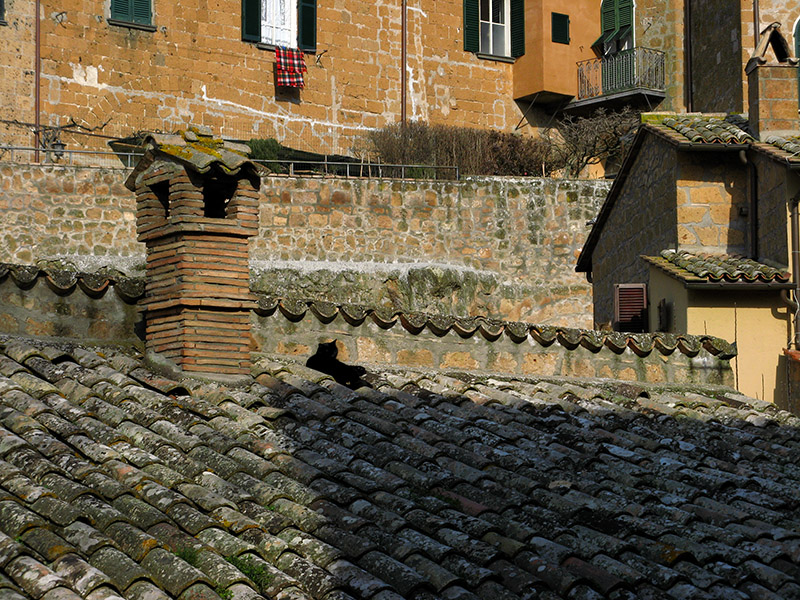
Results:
195 69
643 221
493 247
758 322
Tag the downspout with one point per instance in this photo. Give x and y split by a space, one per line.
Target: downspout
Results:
38 76
403 61
756 21
795 225
687 49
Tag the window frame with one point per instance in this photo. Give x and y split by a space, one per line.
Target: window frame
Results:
131 15
305 24
515 28
491 25
3 13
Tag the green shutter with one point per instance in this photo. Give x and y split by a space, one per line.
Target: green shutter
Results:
517 28
140 12
132 11
624 13
251 20
608 18
307 25
121 10
559 28
471 26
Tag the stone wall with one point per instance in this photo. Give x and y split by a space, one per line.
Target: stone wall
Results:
776 187
90 312
53 211
712 201
17 81
495 247
194 68
643 221
659 24
502 246
717 68
484 347
93 310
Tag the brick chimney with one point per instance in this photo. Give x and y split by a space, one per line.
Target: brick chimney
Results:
197 207
772 86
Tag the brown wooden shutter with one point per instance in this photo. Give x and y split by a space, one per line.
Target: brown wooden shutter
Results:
630 307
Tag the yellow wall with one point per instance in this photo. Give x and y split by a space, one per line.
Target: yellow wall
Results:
550 67
758 322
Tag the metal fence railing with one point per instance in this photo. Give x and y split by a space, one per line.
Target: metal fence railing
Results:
78 158
638 68
360 169
128 160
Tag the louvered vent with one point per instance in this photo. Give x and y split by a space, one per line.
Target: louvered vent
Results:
630 307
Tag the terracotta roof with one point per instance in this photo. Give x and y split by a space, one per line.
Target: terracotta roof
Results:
706 129
725 131
704 267
116 482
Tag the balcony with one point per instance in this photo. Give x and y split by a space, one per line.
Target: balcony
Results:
633 76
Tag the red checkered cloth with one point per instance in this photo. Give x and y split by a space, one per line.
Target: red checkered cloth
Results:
291 65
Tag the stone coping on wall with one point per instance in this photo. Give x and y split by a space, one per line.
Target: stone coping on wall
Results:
641 344
131 289
63 281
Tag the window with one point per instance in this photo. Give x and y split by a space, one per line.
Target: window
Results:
630 307
560 28
3 13
291 23
135 12
616 22
495 27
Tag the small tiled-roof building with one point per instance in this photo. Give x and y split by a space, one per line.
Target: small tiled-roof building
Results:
714 188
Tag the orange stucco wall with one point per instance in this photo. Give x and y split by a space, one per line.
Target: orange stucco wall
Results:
548 66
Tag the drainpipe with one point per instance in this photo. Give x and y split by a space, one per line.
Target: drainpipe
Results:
756 21
687 49
37 75
403 60
795 225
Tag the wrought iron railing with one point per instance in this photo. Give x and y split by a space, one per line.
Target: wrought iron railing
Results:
638 68
128 160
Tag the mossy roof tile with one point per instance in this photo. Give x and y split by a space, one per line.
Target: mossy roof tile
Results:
467 483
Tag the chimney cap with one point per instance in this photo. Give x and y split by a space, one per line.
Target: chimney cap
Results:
197 149
771 37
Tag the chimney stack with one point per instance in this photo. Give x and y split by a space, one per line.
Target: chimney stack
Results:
772 87
197 207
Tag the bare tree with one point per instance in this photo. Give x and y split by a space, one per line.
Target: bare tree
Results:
602 137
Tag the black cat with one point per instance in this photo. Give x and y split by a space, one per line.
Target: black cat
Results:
326 362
